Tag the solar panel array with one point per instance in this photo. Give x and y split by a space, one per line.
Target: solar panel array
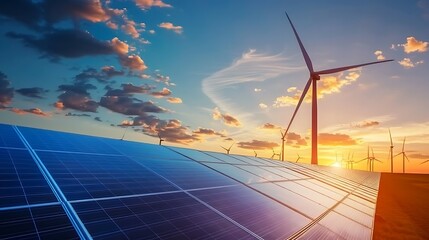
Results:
58 185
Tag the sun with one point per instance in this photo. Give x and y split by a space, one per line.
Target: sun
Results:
336 164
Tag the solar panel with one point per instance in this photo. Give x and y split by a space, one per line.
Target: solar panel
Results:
63 185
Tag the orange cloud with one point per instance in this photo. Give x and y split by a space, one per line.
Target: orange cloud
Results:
336 139
257 145
111 25
379 55
163 93
226 118
414 45
208 132
170 26
174 100
119 46
270 126
407 63
365 124
419 156
35 111
59 105
146 4
133 62
130 28
295 140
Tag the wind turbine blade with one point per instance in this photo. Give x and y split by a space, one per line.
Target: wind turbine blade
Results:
304 92
406 157
377 160
304 52
390 134
424 162
340 69
398 154
403 145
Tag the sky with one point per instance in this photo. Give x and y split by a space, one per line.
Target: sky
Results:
211 74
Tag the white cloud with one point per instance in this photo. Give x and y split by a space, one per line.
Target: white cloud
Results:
257 90
263 106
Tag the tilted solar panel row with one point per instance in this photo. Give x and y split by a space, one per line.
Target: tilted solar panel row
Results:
119 189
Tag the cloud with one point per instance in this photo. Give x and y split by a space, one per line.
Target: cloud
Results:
69 114
146 4
208 132
336 139
257 90
379 55
34 92
291 89
163 93
295 140
76 97
35 111
24 11
414 45
270 126
366 124
175 100
6 92
98 119
130 28
419 156
407 63
130 88
129 106
250 67
133 62
112 25
119 46
68 43
163 79
90 10
226 118
257 145
105 74
170 26
263 106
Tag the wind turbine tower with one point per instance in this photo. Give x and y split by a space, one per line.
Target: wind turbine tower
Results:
314 77
391 152
227 149
160 139
283 144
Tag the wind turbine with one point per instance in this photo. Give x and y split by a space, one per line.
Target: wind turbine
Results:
123 135
283 144
391 152
350 161
314 76
299 157
404 155
227 149
275 154
160 139
256 154
373 159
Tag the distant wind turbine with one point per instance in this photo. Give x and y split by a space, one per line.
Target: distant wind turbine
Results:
275 154
227 149
370 160
123 135
299 157
283 144
160 139
404 155
314 76
391 152
256 154
350 161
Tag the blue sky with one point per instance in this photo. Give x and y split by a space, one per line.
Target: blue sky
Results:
209 73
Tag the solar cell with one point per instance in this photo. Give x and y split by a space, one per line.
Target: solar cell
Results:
195 155
22 183
236 173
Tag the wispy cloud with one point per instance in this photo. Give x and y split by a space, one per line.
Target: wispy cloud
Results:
228 119
270 126
146 4
337 139
175 100
257 145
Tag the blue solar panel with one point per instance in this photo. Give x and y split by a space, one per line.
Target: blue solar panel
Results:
83 176
165 216
9 138
21 181
68 142
112 189
48 222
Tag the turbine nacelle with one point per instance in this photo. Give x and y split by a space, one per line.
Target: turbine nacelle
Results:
315 76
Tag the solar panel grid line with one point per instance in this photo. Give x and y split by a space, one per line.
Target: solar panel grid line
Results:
224 157
207 205
76 152
28 206
316 220
75 220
